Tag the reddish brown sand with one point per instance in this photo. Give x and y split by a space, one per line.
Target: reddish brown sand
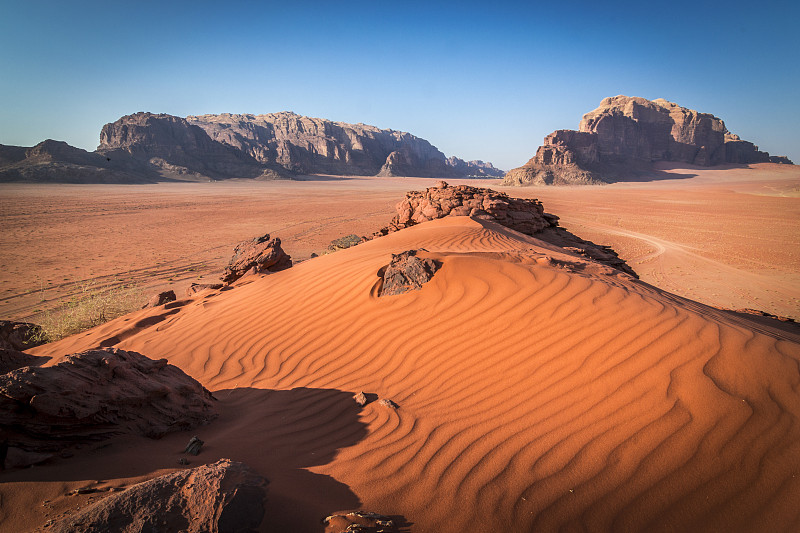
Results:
537 392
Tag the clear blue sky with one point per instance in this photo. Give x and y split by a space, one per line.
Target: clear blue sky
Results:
480 80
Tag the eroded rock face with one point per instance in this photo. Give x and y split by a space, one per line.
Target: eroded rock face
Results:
97 394
262 254
523 215
625 135
407 272
312 145
223 497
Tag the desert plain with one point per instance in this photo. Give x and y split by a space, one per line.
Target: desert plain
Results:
537 391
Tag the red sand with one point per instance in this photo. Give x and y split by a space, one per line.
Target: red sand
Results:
537 392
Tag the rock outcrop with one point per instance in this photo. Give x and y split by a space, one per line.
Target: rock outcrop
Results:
407 272
359 522
19 335
262 254
625 135
97 394
523 215
520 214
223 497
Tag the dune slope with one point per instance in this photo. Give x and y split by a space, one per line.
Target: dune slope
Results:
537 392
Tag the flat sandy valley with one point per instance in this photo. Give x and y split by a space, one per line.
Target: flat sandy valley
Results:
728 238
521 388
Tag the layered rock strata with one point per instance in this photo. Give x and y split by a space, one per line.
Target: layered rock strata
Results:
625 135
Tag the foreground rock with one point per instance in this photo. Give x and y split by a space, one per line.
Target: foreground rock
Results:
359 522
223 497
523 215
623 137
19 335
407 272
97 394
262 254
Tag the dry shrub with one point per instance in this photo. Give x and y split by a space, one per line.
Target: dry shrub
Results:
90 307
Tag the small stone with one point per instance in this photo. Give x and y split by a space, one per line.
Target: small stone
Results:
385 402
194 446
183 461
361 399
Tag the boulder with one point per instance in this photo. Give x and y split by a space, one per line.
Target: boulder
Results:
161 298
222 497
262 254
97 394
407 272
625 135
19 335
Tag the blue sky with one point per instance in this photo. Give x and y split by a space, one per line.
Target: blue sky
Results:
480 80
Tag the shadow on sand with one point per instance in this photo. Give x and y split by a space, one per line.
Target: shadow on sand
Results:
278 433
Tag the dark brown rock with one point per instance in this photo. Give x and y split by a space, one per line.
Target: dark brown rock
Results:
19 335
161 298
344 242
13 359
223 497
262 254
97 394
194 288
624 136
407 272
194 446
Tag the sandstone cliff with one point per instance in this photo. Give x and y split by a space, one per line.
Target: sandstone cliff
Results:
317 146
625 135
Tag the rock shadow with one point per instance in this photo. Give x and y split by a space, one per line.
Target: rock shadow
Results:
277 433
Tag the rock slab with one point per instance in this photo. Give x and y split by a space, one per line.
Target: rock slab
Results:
407 272
223 497
97 394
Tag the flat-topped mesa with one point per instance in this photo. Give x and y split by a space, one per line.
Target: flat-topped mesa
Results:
625 135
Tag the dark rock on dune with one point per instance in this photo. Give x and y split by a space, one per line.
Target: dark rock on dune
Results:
343 243
194 288
407 272
223 497
13 359
19 335
261 254
97 394
161 298
623 137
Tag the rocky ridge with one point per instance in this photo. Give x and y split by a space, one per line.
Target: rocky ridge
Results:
623 137
519 214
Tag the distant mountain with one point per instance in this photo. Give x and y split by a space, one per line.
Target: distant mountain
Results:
625 135
57 162
147 147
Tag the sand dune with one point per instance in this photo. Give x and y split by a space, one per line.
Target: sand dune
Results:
536 392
